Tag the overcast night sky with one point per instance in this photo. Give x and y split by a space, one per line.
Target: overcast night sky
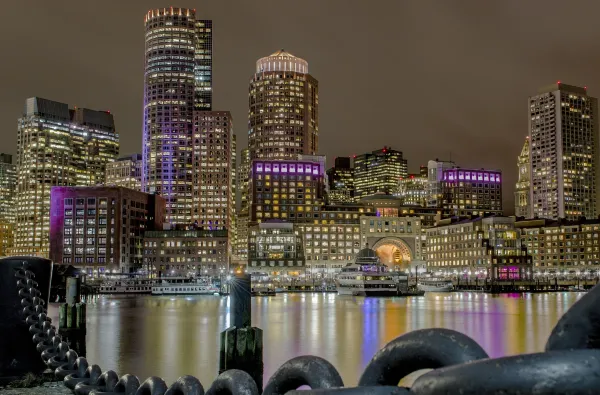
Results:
430 78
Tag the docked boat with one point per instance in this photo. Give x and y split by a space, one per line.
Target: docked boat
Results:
434 284
261 285
367 276
184 286
129 286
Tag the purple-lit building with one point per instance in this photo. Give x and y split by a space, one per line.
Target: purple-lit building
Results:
101 229
289 190
472 191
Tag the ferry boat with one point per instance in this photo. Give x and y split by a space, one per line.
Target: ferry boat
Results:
433 284
129 286
367 276
184 286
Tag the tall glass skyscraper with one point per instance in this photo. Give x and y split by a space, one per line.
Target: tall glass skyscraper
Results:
283 116
177 80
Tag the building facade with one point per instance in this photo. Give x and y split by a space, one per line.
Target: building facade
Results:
378 172
275 248
213 170
563 138
472 191
177 80
101 229
283 116
56 146
125 172
523 187
8 187
186 252
289 190
412 190
482 247
340 179
435 178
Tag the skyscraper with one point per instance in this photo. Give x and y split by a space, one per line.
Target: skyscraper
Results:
435 175
56 147
213 169
563 138
125 172
523 184
177 80
283 114
472 191
341 181
243 175
8 185
378 172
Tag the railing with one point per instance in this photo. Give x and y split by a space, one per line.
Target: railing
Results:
570 365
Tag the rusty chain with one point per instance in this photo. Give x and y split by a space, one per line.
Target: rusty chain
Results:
569 365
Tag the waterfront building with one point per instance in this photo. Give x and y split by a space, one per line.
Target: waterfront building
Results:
472 191
177 80
283 117
213 170
563 138
8 186
275 248
435 177
523 187
562 247
240 247
482 247
290 190
56 146
412 190
243 178
125 172
101 229
191 252
391 206
340 179
378 171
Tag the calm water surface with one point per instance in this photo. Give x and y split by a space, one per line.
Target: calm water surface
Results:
173 336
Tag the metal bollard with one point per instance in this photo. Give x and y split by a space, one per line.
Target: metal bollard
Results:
18 353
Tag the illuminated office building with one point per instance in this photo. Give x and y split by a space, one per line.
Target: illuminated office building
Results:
243 180
523 187
435 175
8 186
412 190
341 181
283 117
177 80
563 138
378 172
213 170
472 191
275 248
56 146
288 190
125 172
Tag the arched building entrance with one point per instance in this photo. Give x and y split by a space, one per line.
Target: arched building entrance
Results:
394 252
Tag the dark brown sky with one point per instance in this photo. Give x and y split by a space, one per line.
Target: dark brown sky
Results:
425 77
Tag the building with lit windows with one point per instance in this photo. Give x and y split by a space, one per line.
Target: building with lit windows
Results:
435 178
523 187
125 172
378 171
412 190
340 179
563 146
190 252
213 170
177 80
56 146
275 248
8 186
480 247
283 117
472 191
101 229
289 190
562 247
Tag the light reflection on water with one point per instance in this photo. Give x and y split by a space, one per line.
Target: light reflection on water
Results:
174 336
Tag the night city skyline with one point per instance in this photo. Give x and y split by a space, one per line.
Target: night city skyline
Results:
455 85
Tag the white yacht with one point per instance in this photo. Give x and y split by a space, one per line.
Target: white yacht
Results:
184 286
434 284
129 286
367 276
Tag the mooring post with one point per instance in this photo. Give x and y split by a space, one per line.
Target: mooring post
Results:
72 316
242 344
